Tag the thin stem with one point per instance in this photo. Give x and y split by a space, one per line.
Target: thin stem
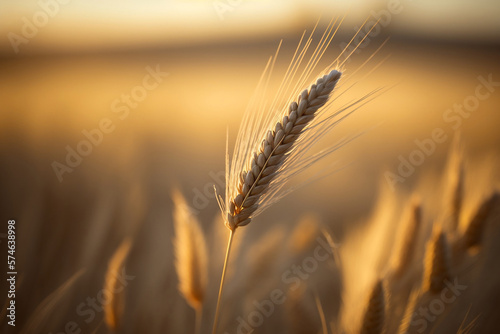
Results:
198 320
321 313
226 260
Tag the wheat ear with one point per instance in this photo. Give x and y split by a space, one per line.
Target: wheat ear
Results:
273 152
476 226
408 317
456 182
408 239
457 196
266 162
437 263
374 318
113 310
191 256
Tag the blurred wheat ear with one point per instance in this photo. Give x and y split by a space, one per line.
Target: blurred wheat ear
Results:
455 181
374 317
113 310
404 327
408 238
303 235
264 257
474 231
191 256
437 263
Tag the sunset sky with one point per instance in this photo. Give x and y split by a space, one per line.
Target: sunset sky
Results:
101 25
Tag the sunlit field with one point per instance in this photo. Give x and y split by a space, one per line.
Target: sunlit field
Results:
112 140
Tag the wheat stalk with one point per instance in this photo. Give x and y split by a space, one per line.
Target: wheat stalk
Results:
191 256
321 313
50 305
113 310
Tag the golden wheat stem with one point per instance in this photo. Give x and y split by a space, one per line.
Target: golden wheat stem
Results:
113 310
226 260
321 313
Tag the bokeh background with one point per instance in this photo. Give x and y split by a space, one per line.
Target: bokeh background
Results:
65 77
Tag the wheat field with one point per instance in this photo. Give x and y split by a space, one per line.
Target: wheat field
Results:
391 228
